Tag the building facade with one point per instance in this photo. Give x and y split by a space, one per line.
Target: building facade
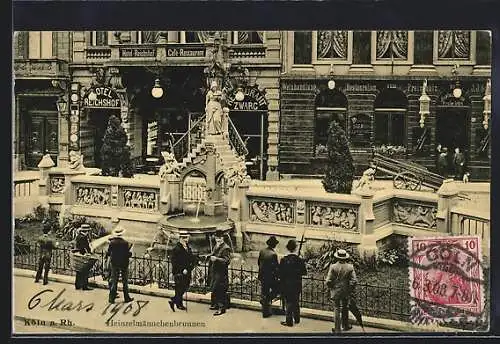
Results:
371 83
113 73
67 84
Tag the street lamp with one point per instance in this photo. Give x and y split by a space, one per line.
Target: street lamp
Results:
457 91
62 106
239 95
424 104
487 104
331 82
157 90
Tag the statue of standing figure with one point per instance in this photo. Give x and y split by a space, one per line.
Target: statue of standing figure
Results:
213 110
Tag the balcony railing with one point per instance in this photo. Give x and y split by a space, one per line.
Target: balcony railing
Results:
247 51
98 53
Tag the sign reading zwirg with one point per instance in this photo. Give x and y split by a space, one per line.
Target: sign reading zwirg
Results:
106 98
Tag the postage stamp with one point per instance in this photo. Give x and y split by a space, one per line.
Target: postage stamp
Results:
446 279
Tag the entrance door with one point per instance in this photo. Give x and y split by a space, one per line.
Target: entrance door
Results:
42 137
99 123
452 128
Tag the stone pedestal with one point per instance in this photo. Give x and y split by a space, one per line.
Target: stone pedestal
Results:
238 210
44 165
170 197
365 216
447 193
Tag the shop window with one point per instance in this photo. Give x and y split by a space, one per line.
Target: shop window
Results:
331 105
483 47
40 44
423 47
249 37
454 45
332 45
361 50
302 47
389 128
391 45
99 38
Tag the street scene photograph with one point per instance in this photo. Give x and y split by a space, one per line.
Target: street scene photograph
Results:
251 182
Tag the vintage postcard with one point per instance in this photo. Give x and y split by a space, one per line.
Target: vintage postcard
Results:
234 182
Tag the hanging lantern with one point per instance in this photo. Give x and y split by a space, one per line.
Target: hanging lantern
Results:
424 104
157 90
487 104
239 95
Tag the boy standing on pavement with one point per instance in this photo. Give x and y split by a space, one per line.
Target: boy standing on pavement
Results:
47 244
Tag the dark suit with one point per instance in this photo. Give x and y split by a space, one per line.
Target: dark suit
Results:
119 251
82 245
458 163
219 275
46 246
341 279
291 270
182 259
268 277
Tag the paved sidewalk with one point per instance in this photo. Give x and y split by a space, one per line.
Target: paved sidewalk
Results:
88 311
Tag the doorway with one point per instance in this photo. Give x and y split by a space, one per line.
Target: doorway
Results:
98 122
452 128
41 137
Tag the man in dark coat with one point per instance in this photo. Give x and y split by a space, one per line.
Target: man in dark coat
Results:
291 270
458 163
341 279
219 273
119 251
82 246
268 275
47 244
442 162
183 262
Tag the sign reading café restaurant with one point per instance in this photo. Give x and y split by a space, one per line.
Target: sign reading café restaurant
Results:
107 98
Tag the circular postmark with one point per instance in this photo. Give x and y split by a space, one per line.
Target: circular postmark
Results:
445 276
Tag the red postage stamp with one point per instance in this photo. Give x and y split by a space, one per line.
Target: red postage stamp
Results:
446 279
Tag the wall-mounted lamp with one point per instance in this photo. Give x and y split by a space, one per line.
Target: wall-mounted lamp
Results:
157 90
239 95
457 91
424 104
62 106
331 82
487 104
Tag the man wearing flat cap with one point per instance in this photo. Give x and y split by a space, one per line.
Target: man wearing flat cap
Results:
268 275
119 253
341 279
291 270
219 275
82 246
183 262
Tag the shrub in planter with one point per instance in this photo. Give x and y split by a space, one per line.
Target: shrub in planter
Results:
71 225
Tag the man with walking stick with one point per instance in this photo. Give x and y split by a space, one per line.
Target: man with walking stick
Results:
268 275
119 251
183 262
341 279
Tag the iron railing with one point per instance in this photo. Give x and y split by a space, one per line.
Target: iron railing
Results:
182 146
235 139
390 301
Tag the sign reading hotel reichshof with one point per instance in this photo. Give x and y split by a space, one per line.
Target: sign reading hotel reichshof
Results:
137 52
107 98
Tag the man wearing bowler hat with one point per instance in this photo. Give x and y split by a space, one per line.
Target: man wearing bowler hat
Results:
119 253
82 246
219 275
268 275
291 270
341 279
183 262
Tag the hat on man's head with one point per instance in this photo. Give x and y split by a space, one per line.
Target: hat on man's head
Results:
219 233
272 241
84 227
341 254
118 231
291 245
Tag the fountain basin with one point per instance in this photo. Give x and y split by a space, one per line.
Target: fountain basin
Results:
203 224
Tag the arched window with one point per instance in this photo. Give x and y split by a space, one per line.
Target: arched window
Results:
331 105
390 118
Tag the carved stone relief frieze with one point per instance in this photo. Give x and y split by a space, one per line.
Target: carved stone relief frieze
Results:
93 195
413 214
140 199
273 211
334 217
57 184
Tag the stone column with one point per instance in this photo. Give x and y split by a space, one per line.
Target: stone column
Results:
447 194
170 197
368 245
44 165
238 210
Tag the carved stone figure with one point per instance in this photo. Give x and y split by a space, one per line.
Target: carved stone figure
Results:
415 215
57 184
273 212
171 166
366 179
75 160
214 113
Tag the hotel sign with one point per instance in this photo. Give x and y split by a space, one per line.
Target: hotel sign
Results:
107 98
137 52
